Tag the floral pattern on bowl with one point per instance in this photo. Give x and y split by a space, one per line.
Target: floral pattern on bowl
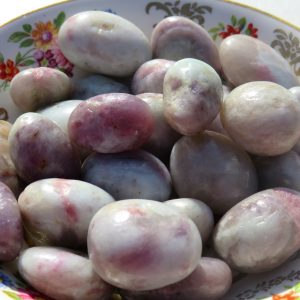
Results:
41 39
280 284
31 41
192 10
237 26
12 288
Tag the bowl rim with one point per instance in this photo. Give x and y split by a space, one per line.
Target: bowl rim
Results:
247 6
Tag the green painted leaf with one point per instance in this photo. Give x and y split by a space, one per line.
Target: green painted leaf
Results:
44 63
222 26
297 288
214 36
26 43
27 28
233 20
242 23
6 84
59 19
213 30
287 287
1 58
28 62
12 295
17 36
18 58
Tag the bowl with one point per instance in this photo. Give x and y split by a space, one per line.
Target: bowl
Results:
31 41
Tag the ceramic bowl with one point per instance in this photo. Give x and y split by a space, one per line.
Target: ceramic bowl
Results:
31 41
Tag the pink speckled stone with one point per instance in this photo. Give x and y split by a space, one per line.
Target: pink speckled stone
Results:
58 211
143 244
11 231
111 123
62 274
261 232
40 149
246 59
211 280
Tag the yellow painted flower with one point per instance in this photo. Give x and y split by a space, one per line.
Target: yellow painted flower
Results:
43 34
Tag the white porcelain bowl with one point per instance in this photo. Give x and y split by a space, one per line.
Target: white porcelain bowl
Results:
31 41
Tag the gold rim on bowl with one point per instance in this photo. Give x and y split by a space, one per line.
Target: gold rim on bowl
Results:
226 1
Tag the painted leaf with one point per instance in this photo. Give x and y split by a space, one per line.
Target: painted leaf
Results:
1 58
28 62
214 37
202 9
12 295
222 26
27 28
233 20
26 43
288 287
18 58
280 32
213 30
297 288
17 36
280 37
176 11
242 23
59 20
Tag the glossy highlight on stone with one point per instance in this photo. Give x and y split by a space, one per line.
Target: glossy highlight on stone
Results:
143 244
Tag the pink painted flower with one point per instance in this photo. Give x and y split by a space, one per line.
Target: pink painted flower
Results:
54 58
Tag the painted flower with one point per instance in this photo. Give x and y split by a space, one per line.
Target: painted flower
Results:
5 280
8 70
43 34
230 30
236 26
54 58
41 41
291 295
26 294
251 30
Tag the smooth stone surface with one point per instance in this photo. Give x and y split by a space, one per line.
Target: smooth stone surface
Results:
177 37
143 244
40 149
62 274
262 117
192 95
245 59
261 232
104 43
58 211
212 168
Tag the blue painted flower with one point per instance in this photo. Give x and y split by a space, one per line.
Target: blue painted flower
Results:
5 280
